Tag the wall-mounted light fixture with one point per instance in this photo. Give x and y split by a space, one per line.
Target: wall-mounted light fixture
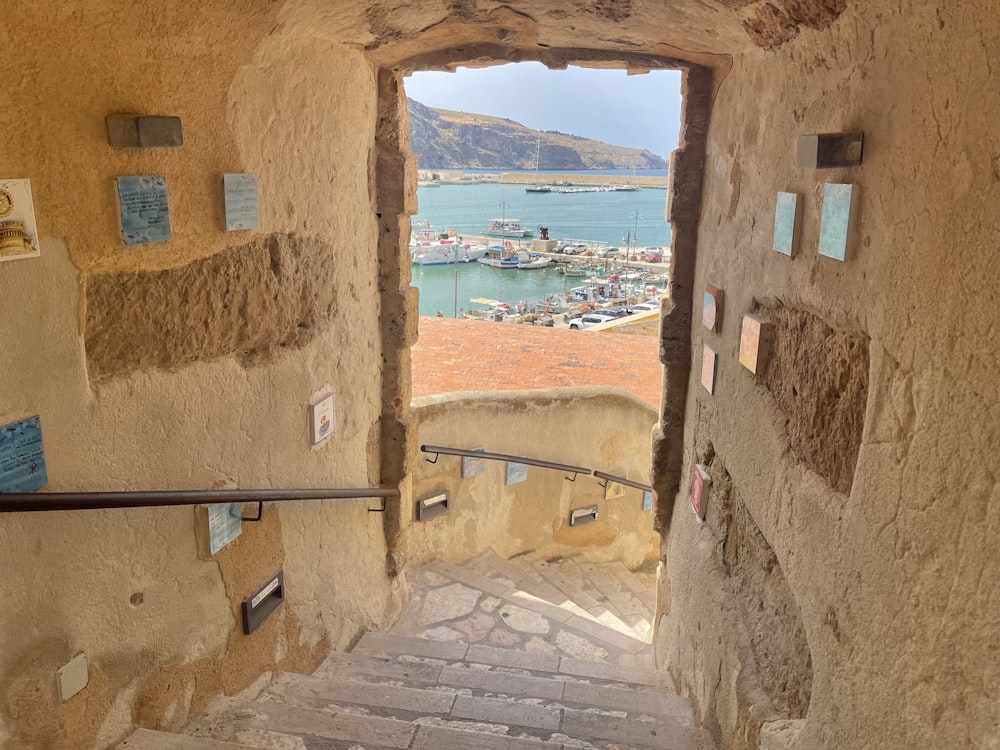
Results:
580 516
263 602
828 150
144 131
433 506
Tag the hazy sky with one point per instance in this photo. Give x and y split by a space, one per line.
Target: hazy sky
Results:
640 111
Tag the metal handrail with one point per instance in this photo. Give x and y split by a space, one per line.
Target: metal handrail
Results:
32 502
437 449
622 480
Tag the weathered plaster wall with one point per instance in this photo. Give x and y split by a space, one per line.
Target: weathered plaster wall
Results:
185 364
894 572
591 428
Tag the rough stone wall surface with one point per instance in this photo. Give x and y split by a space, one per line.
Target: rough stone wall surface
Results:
594 428
895 578
819 379
249 302
187 364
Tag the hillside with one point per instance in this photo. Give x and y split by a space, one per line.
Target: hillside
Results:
445 139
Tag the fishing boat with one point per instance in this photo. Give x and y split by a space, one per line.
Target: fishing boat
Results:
573 271
507 228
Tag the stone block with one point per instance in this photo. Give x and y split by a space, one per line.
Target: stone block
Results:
498 711
502 682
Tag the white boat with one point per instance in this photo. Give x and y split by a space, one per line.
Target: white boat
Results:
430 247
519 260
507 228
446 252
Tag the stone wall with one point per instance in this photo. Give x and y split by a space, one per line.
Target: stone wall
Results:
862 459
601 429
187 364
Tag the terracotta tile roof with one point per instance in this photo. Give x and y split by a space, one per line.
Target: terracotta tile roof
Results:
470 355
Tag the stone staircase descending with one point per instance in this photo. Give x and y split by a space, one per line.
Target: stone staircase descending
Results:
520 654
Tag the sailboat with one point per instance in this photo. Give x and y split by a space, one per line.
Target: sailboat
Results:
538 187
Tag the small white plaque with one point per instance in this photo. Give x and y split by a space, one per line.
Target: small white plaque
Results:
321 418
72 677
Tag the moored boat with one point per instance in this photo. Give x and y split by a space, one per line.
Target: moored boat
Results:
447 252
507 228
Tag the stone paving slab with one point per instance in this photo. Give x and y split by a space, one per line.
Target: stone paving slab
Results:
652 734
503 683
383 643
147 739
277 717
447 738
470 578
355 666
607 635
615 673
500 711
529 601
501 657
376 695
632 701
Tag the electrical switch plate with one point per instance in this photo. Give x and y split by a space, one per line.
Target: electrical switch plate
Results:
72 677
321 418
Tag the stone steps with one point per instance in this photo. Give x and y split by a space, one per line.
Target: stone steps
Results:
147 739
539 595
606 593
438 682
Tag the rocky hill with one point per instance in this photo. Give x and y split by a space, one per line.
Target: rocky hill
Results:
444 139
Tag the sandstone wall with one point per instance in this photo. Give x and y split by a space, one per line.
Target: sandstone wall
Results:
844 579
186 364
591 428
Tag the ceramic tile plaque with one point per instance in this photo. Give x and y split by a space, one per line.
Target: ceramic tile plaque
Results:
143 211
225 523
241 201
18 233
787 220
708 361
647 500
516 473
711 311
614 489
700 482
22 456
838 218
473 467
754 343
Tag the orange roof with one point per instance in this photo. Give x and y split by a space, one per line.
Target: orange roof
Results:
472 355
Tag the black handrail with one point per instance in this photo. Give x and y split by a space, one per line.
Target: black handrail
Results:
33 502
437 449
503 457
623 480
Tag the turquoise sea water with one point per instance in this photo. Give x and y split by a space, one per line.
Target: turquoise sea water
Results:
594 217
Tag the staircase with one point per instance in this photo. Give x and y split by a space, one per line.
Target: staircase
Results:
521 654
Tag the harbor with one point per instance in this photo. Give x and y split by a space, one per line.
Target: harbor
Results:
604 248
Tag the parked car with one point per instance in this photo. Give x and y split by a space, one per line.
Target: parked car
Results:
653 254
575 249
607 252
646 307
590 319
615 312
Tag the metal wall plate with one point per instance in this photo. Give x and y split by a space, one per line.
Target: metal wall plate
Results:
262 603
580 516
433 506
